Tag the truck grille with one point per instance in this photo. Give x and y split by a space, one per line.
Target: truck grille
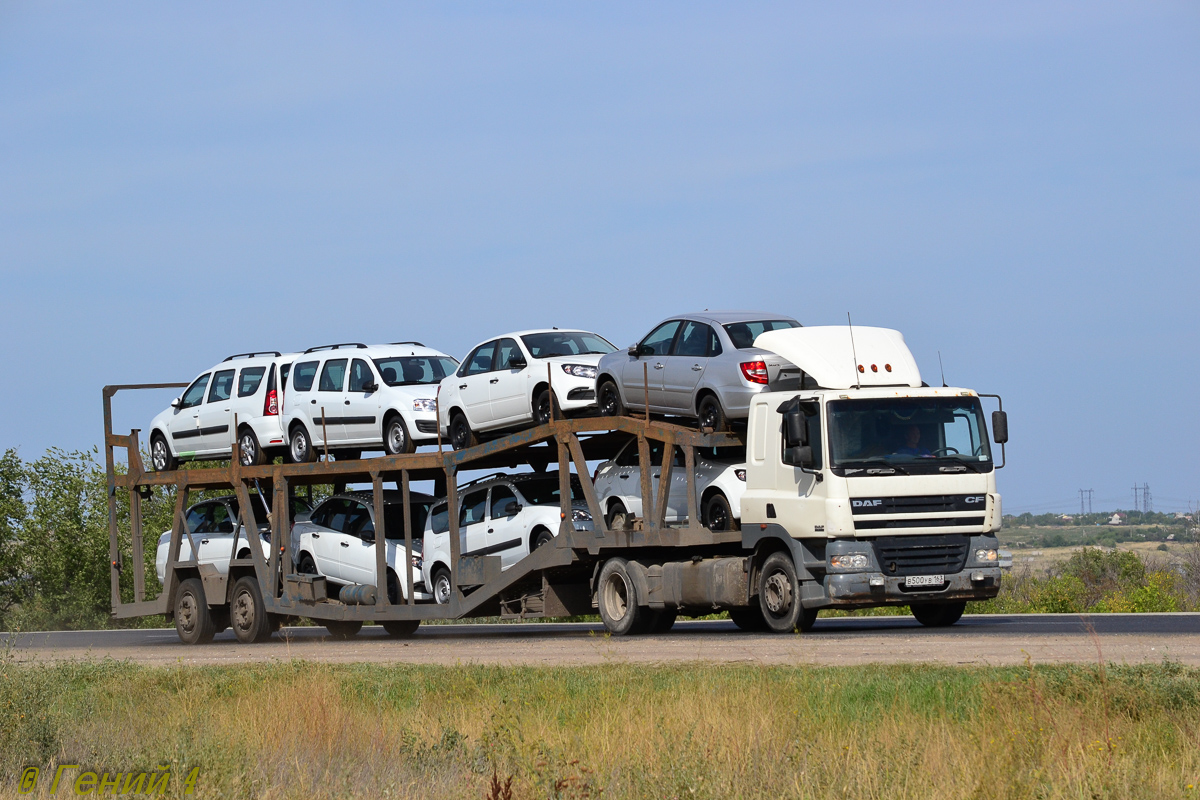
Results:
922 555
426 426
923 522
921 504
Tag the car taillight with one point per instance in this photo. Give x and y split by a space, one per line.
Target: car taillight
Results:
755 371
271 406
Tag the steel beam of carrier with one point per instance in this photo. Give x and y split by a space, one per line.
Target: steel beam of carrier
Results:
554 580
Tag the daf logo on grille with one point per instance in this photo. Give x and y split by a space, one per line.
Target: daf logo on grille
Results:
975 499
865 503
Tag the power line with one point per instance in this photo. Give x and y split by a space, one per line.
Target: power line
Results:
1085 493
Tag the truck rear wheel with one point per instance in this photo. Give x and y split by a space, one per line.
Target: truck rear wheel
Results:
401 628
193 620
661 620
779 595
748 619
247 616
343 628
938 615
616 596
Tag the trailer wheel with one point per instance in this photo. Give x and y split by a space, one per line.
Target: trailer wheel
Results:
160 454
718 515
779 593
300 449
461 435
247 616
395 437
749 619
618 517
617 599
711 415
441 586
220 616
193 620
938 615
252 454
609 400
343 629
401 628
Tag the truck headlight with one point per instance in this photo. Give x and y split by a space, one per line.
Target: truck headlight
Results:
850 561
987 556
580 371
422 404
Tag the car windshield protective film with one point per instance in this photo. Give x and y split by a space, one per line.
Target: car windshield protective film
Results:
501 497
439 520
249 380
333 375
360 376
474 507
566 343
743 334
197 518
693 340
222 386
195 393
222 522
481 360
303 375
414 370
659 340
544 491
908 435
393 515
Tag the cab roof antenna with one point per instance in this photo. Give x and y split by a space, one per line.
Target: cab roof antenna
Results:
942 369
853 352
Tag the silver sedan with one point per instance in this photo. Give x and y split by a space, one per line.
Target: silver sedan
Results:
703 366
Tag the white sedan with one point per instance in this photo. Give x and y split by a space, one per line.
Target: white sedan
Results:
720 484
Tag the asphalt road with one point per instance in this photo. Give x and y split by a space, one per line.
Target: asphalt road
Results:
990 639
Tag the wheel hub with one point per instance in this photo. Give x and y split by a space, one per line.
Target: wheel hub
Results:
778 594
243 612
187 613
616 597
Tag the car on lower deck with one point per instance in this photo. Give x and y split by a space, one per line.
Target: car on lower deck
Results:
347 398
242 395
508 382
216 528
338 541
703 366
508 516
720 483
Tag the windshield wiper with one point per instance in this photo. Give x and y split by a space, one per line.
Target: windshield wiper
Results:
959 460
874 461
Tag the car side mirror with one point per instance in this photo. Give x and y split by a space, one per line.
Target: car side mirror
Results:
512 508
795 429
517 361
175 402
635 350
1000 427
371 387
801 456
303 516
367 536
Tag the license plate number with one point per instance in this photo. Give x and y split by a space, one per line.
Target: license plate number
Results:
925 580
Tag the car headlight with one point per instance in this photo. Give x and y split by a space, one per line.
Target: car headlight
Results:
417 562
580 371
987 556
579 515
850 561
422 404
740 474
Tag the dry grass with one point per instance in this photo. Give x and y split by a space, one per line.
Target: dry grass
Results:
304 730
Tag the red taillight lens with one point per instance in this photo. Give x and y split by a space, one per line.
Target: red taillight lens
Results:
755 371
271 406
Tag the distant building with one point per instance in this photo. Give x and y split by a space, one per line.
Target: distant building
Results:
1117 519
1066 518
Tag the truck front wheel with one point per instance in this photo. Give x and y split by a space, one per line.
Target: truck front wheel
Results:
779 596
938 615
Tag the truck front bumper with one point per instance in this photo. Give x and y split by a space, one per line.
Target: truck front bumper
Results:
870 589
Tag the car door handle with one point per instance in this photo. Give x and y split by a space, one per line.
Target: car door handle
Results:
653 474
494 380
314 402
658 366
491 530
623 477
462 386
697 367
204 541
347 402
316 536
344 544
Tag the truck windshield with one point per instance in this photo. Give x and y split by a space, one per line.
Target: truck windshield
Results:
907 436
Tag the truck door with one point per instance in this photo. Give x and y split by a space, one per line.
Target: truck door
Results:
216 414
685 365
648 368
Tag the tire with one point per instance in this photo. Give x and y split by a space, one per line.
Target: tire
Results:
608 400
779 593
618 517
749 619
251 453
541 408
307 566
300 449
661 620
343 629
617 599
938 615
247 615
718 515
441 586
193 620
711 415
401 628
220 616
395 437
161 459
461 435
540 537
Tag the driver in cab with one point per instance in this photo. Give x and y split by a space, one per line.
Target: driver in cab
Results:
912 444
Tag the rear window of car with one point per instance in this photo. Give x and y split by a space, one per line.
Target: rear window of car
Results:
250 380
743 334
303 375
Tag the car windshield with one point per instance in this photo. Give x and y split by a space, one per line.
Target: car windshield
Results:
393 517
413 370
730 455
743 334
909 435
565 343
544 491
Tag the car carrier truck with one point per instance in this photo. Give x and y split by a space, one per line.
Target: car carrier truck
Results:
864 487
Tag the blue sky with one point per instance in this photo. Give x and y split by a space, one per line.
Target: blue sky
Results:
1015 185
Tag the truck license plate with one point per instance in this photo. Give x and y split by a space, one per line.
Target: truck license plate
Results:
924 580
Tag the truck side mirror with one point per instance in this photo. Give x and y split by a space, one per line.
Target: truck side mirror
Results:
795 429
1000 427
801 456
